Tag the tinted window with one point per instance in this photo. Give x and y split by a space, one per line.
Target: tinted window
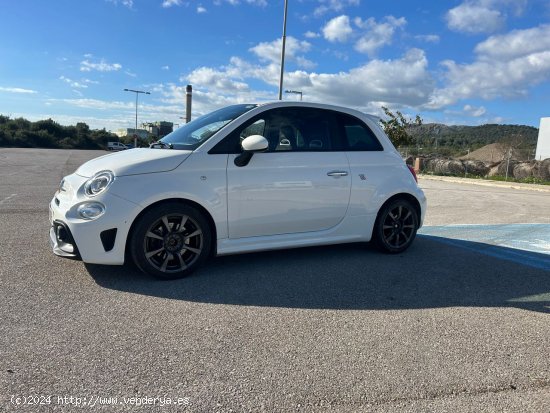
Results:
293 129
358 136
301 129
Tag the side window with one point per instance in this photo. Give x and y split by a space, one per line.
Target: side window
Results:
257 128
301 130
295 129
358 136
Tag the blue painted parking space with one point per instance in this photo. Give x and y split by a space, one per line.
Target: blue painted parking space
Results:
527 244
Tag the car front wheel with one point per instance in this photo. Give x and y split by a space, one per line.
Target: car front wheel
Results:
171 241
396 226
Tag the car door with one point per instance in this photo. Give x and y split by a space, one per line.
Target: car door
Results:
301 184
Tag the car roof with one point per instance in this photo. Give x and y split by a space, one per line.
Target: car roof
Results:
289 103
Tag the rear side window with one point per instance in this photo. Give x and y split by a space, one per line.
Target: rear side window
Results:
357 135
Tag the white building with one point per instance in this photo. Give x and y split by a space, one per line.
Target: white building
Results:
543 143
141 133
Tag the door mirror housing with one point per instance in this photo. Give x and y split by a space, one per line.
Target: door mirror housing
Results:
255 143
251 145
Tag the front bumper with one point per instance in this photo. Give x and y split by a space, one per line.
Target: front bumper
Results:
99 241
62 241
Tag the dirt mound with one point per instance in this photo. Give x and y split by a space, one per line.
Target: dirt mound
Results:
493 153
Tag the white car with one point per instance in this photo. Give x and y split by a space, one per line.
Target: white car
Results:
116 146
243 178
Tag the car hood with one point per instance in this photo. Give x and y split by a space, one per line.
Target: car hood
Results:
135 162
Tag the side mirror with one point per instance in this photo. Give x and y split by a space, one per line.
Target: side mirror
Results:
255 143
250 145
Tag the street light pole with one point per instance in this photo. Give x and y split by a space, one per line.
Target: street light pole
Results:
137 92
297 92
283 55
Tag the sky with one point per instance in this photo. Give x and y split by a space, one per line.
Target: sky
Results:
465 62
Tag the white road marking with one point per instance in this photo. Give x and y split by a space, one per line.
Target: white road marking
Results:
7 198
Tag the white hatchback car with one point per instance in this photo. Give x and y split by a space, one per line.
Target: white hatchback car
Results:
240 179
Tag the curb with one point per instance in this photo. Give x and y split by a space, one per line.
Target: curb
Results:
479 182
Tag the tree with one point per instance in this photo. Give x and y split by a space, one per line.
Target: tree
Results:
514 146
396 127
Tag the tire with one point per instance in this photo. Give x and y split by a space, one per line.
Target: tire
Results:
171 241
395 227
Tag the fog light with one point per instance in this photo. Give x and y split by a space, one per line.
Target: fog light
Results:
91 210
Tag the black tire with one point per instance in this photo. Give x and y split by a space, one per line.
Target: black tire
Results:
395 227
171 241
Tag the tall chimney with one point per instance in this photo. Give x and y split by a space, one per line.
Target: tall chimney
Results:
188 98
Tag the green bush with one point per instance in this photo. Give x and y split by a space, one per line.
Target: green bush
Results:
47 133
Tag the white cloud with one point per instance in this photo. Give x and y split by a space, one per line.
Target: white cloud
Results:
428 38
91 82
338 29
126 3
506 66
73 83
96 104
165 67
311 35
377 35
201 9
212 79
473 111
333 5
475 16
101 66
515 44
271 51
169 3
404 81
206 99
261 3
17 90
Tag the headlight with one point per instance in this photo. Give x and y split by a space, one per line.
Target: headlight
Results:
90 210
98 183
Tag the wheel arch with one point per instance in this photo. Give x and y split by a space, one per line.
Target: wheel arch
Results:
406 196
182 201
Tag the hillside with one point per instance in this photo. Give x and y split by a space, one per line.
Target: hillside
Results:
460 138
494 152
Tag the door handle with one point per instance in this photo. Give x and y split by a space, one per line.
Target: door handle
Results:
337 173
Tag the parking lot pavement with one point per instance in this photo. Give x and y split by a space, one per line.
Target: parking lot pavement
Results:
527 244
486 182
333 329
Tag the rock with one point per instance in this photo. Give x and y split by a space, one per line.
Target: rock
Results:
543 170
502 168
477 168
524 170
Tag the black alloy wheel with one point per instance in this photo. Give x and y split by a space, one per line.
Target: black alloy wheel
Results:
396 226
171 241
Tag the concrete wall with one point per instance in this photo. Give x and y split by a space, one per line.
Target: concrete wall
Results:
543 143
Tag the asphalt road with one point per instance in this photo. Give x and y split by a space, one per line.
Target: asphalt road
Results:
442 327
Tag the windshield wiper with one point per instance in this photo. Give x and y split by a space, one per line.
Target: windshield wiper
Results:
162 145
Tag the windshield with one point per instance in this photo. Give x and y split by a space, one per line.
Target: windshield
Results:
198 131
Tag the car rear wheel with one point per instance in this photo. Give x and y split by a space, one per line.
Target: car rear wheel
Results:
396 226
171 241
